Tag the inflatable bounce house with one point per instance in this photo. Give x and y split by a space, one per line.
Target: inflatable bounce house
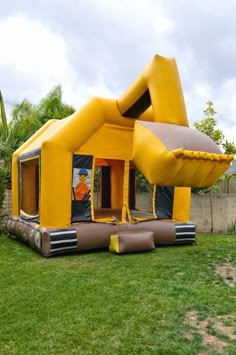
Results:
55 196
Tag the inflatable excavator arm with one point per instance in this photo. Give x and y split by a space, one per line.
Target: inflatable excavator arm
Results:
167 151
172 155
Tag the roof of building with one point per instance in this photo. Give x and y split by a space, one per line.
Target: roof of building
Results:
232 169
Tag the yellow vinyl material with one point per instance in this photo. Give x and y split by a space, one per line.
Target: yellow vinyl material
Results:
164 162
181 205
114 244
156 137
161 78
27 146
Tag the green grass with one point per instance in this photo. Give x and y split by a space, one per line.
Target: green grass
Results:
103 303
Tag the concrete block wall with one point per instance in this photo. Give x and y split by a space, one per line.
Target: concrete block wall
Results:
224 210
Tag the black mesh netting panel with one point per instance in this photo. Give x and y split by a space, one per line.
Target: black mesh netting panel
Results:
29 186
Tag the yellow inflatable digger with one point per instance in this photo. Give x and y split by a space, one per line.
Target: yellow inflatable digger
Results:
146 129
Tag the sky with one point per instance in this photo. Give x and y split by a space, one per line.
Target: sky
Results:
98 48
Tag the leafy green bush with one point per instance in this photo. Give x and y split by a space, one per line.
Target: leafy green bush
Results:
232 227
142 184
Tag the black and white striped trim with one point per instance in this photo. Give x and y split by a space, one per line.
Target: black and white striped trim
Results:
185 233
62 240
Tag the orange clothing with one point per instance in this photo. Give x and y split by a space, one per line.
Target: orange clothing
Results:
81 190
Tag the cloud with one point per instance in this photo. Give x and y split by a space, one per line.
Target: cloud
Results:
207 30
98 47
29 47
34 59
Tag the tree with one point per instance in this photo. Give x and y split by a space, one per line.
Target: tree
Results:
3 123
52 106
2 190
14 132
7 137
208 125
229 147
25 114
227 178
26 120
31 117
142 183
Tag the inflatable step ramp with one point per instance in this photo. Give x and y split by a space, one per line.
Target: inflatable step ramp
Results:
131 241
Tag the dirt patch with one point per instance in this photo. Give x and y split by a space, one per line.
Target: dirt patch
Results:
211 325
228 273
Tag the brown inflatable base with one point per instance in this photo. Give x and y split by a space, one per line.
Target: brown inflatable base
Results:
93 235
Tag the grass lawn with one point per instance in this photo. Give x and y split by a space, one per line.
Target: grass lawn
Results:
173 300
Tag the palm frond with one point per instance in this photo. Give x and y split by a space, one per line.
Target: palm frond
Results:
4 126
